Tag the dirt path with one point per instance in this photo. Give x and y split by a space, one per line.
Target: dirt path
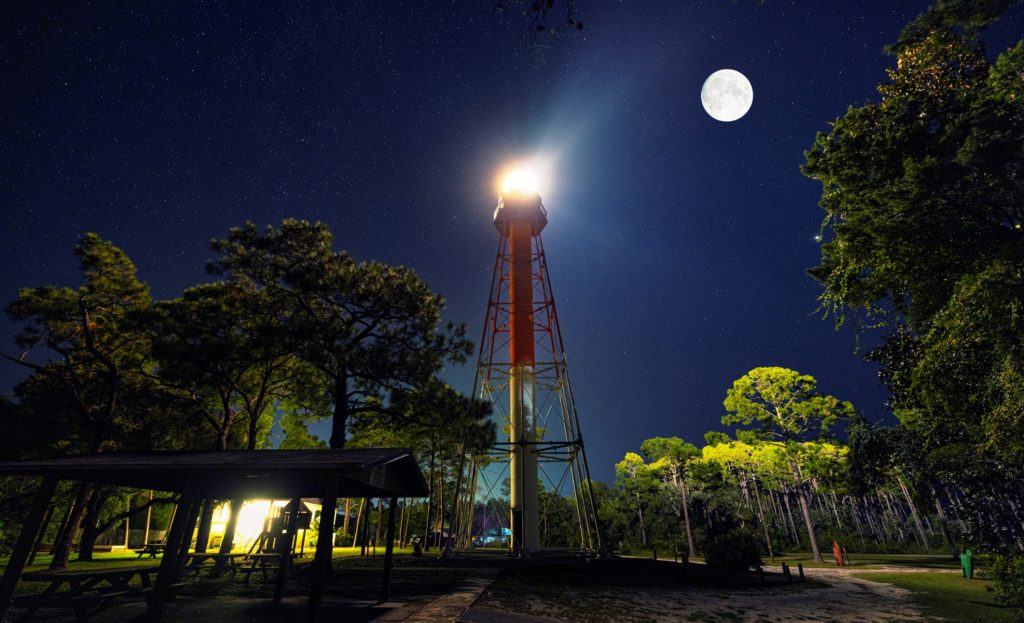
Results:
843 598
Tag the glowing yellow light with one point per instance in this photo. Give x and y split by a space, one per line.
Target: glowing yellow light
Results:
250 520
519 181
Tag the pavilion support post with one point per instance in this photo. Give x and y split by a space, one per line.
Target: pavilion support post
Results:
183 520
389 551
324 548
285 548
26 538
366 527
186 540
39 537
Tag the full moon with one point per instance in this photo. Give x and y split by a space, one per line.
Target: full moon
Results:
727 95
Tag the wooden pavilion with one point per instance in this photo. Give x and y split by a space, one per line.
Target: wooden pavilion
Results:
277 474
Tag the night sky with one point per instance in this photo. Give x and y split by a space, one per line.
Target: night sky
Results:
677 244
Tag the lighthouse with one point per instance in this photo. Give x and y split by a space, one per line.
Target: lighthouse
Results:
520 217
522 371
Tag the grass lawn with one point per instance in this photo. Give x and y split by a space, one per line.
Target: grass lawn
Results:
950 596
130 558
923 561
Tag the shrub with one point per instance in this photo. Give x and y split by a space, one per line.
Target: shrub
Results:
735 550
1007 573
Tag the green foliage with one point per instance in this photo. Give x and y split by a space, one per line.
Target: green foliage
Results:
370 331
672 450
923 187
296 435
219 354
89 391
782 404
967 16
713 437
559 525
1007 572
923 193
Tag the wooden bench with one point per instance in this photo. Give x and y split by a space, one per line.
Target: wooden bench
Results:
152 549
87 591
222 562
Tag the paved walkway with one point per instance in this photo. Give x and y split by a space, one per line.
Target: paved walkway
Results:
448 607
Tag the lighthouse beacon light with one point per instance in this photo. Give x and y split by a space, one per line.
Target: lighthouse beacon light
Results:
519 181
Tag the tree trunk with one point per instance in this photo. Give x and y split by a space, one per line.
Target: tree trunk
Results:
228 542
873 522
376 532
913 513
764 524
149 519
893 513
805 509
344 522
835 511
401 523
42 533
205 522
67 538
945 527
640 513
340 420
61 528
430 494
127 523
90 532
366 528
359 518
855 512
686 519
439 512
789 515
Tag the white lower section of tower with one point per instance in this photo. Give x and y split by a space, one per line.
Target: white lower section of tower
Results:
523 463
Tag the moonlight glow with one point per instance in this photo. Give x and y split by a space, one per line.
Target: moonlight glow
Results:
727 95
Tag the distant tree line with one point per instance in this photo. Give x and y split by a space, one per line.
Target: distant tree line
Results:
783 485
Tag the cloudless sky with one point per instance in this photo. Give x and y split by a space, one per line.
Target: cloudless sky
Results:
677 244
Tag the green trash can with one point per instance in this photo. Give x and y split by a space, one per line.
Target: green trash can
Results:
967 563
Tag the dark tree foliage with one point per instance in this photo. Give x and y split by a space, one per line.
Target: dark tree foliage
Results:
968 17
218 353
90 347
372 332
87 391
924 199
542 16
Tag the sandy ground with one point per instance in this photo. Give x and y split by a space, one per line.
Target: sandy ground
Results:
831 595
835 597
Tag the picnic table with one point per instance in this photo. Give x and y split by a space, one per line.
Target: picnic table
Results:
263 562
152 549
87 591
226 562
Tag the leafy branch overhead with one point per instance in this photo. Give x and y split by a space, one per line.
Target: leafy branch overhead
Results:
543 16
